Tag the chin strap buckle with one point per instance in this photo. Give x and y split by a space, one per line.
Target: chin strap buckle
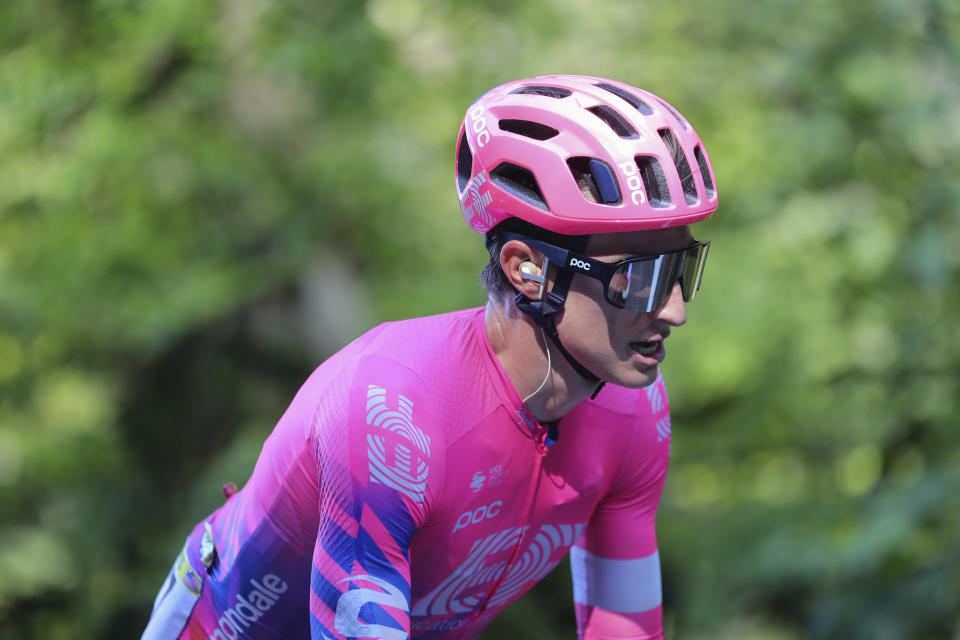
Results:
544 311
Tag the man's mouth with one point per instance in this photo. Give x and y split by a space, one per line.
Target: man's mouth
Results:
647 348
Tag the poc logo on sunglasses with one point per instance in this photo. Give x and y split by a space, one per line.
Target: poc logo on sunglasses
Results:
579 264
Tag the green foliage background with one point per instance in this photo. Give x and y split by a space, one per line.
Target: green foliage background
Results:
200 200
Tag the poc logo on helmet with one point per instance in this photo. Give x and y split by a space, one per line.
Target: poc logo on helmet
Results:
478 515
633 182
579 264
479 125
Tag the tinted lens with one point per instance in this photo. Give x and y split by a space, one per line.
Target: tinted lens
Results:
692 273
644 285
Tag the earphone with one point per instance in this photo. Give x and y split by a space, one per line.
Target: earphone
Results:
528 268
530 271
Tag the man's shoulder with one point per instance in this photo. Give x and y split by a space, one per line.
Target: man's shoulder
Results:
405 339
432 360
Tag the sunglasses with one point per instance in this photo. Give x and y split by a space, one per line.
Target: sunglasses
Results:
635 284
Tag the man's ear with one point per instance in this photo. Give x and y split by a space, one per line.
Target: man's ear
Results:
524 268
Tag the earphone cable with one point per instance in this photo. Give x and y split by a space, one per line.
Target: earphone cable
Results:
546 377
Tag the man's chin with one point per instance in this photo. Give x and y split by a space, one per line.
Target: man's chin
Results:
637 379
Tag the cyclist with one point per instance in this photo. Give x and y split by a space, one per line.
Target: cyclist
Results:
435 469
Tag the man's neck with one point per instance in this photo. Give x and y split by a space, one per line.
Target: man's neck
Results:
521 347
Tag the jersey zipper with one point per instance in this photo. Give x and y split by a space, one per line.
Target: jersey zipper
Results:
541 447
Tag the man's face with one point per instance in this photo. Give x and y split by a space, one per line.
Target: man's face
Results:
622 347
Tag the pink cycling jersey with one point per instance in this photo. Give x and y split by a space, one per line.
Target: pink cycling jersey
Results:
408 492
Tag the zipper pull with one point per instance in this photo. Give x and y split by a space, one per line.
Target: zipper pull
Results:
553 434
547 436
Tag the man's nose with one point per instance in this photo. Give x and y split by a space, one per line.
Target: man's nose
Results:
674 310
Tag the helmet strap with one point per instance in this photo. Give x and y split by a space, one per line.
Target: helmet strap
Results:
544 314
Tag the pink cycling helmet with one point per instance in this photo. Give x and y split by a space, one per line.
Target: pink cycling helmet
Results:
579 155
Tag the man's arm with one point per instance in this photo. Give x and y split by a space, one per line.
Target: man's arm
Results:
615 564
376 473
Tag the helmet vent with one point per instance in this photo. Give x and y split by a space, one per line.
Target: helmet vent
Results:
634 101
541 90
529 129
704 171
614 120
676 115
464 163
520 183
653 181
595 179
683 167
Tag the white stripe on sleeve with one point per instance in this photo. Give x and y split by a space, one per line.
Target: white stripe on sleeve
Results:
623 586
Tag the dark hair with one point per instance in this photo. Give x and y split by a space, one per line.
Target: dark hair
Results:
493 279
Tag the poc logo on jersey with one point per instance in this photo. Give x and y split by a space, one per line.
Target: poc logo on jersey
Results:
579 264
477 516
